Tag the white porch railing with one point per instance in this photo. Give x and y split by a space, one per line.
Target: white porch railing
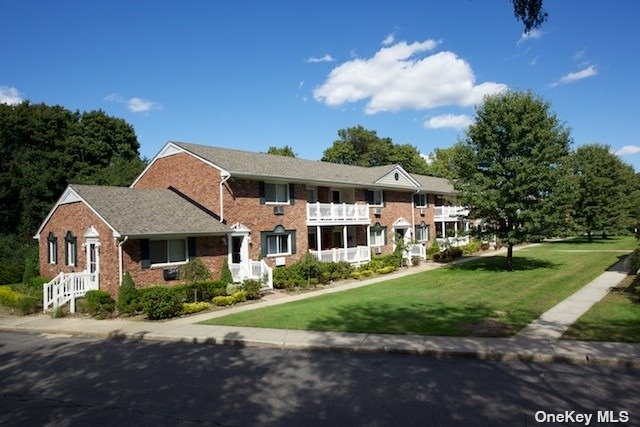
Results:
66 287
451 213
333 212
416 250
356 255
253 270
453 241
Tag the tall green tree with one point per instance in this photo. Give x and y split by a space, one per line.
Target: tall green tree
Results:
444 162
44 148
605 185
285 151
363 147
530 12
512 174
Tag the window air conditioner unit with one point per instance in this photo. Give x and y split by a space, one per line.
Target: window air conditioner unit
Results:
378 250
377 211
423 211
278 210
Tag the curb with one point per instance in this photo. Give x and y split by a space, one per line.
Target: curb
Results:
484 354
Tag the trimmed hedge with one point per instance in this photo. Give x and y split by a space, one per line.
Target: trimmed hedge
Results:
159 302
448 255
310 271
252 289
194 307
99 303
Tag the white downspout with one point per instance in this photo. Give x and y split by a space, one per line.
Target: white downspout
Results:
120 260
225 179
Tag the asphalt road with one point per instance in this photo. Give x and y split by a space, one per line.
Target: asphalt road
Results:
77 381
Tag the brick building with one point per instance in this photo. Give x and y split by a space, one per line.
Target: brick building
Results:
258 211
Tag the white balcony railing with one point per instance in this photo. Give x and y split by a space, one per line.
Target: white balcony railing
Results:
337 212
442 213
253 270
357 255
453 241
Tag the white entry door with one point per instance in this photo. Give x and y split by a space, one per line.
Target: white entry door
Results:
93 261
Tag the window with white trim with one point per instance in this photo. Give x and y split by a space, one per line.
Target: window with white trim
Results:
168 251
377 198
377 235
422 200
71 249
52 246
277 242
422 232
276 193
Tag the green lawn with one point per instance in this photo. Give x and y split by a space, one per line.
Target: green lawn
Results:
473 299
615 318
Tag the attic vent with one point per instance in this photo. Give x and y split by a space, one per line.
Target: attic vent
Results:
396 176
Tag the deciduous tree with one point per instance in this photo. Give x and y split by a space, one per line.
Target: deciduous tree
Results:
517 149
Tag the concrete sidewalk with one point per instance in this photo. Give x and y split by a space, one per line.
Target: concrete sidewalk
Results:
538 346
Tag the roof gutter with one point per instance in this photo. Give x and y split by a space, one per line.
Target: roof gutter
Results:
120 259
224 179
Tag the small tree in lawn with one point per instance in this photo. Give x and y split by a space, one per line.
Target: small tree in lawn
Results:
513 168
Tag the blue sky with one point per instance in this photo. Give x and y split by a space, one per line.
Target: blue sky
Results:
253 74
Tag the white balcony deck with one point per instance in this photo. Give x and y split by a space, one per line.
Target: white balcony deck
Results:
449 213
357 255
337 213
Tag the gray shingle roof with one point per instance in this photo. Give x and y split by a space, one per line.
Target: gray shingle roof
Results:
139 212
250 164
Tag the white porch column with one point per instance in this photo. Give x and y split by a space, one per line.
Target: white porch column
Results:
455 228
344 237
444 230
318 242
369 236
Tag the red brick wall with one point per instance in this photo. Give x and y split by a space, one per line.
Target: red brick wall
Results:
77 218
188 175
242 204
209 249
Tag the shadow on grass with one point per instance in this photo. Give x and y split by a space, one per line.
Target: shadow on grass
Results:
595 240
499 263
432 318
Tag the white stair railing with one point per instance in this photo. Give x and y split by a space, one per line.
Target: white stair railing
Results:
66 287
256 270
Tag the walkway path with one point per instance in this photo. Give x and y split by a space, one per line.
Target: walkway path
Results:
554 322
536 343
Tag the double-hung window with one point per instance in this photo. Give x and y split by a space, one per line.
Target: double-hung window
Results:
421 200
168 251
278 242
71 249
276 193
378 198
52 246
377 235
422 232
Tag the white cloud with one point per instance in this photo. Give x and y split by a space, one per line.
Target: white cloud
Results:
389 39
325 58
135 104
394 79
534 61
531 35
590 71
427 158
627 149
140 105
455 121
578 56
10 95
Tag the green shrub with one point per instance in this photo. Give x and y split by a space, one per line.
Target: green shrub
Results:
31 264
386 270
99 303
8 297
60 312
472 247
159 302
194 271
433 249
225 273
232 288
239 296
200 291
634 261
128 296
448 255
366 273
14 252
415 261
252 289
194 307
356 275
224 300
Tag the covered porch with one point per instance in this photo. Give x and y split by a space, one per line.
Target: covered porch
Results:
335 243
452 233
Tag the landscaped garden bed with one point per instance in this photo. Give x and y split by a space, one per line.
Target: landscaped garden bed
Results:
462 300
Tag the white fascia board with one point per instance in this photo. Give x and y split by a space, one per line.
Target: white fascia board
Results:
171 149
404 173
71 196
